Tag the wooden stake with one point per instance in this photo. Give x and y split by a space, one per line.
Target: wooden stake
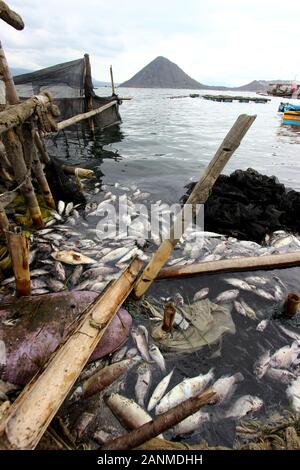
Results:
113 91
18 248
30 414
160 423
80 117
10 17
199 195
251 263
89 90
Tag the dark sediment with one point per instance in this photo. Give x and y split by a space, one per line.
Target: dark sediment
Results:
249 205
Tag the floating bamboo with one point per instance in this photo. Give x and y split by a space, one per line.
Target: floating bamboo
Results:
30 414
251 263
160 423
80 117
10 17
18 248
199 195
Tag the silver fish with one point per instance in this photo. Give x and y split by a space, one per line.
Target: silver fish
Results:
129 412
40 291
69 209
38 284
249 311
278 293
99 286
240 284
38 272
114 255
191 423
143 383
239 308
201 294
227 296
45 231
262 364
262 325
141 342
82 424
61 207
264 294
8 281
285 356
55 286
92 273
256 280
244 405
59 271
293 392
290 333
159 391
225 386
157 356
178 299
186 389
132 352
119 355
76 274
280 375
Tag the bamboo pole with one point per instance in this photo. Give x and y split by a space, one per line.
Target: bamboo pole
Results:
199 195
18 248
80 117
10 17
252 263
30 414
160 423
89 90
15 154
77 171
40 145
113 91
11 93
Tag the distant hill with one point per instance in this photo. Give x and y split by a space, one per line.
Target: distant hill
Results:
17 71
161 73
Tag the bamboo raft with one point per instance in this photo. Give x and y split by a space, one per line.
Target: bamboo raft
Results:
240 99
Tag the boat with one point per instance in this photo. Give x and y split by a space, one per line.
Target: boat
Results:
71 87
291 118
284 90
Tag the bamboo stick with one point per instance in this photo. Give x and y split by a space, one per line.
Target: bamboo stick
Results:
113 91
80 172
18 248
10 17
160 423
15 154
252 263
80 117
29 416
199 195
40 145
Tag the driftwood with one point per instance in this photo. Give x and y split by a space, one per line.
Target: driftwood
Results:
161 423
199 195
252 263
29 416
10 17
18 248
80 117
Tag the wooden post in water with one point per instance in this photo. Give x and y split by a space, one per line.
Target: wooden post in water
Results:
199 195
18 248
113 91
88 89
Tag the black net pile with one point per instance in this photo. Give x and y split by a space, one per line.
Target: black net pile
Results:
249 205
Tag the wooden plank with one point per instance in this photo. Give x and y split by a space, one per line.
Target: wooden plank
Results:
10 17
199 195
31 413
253 263
80 117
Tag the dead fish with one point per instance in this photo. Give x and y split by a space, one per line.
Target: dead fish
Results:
290 333
186 389
132 352
227 296
225 386
119 355
72 257
256 280
45 231
201 294
293 392
8 281
141 341
38 284
128 411
84 285
92 273
53 237
99 286
281 242
56 215
280 375
240 284
82 424
239 308
38 272
191 423
159 391
262 325
178 299
55 286
91 369
249 311
40 291
244 405
157 357
69 209
61 207
262 364
101 379
59 271
143 383
129 255
264 294
114 255
286 356
50 223
278 293
3 358
76 275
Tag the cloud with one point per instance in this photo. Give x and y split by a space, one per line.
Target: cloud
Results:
222 42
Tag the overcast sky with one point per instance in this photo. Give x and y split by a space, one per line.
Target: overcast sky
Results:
215 41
